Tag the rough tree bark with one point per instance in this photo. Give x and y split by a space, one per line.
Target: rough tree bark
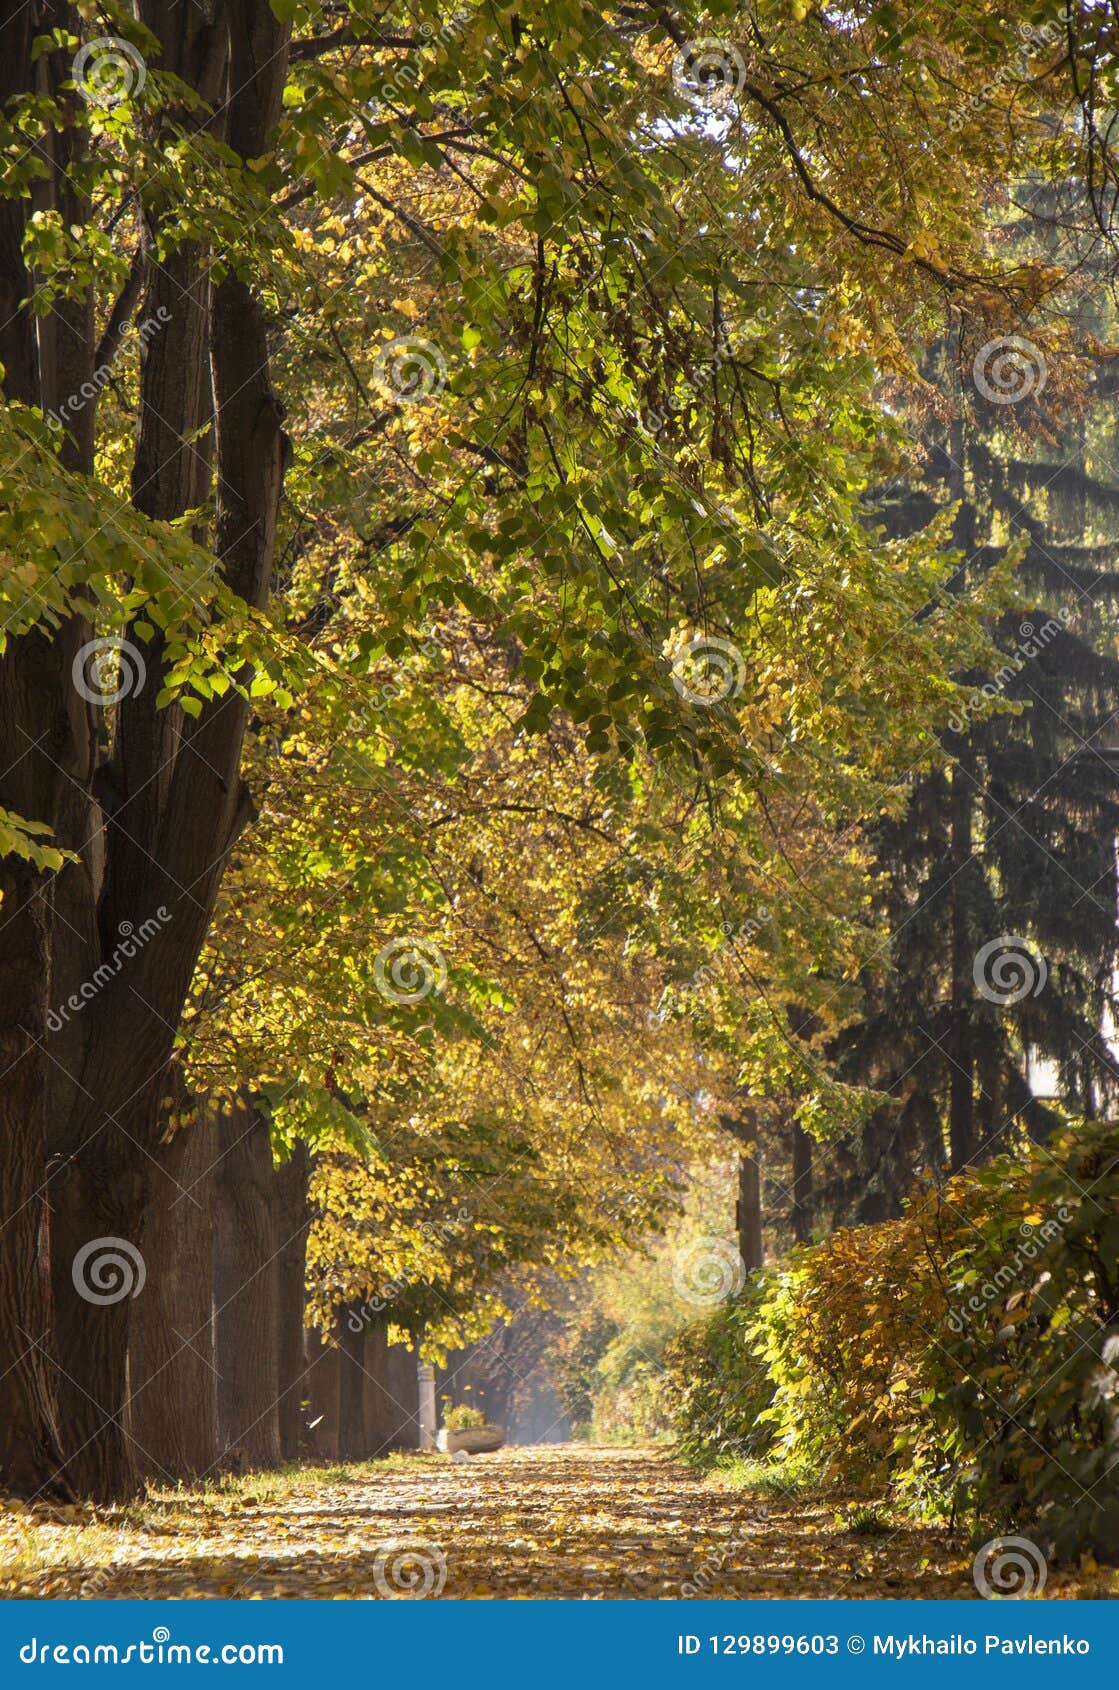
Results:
171 1418
46 737
349 1336
291 1221
179 804
322 1375
245 1291
749 1213
802 1184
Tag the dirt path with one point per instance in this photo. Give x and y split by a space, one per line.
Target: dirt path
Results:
551 1521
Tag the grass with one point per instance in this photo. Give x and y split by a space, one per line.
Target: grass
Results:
765 1478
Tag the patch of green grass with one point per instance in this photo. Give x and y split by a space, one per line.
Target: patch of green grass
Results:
776 1479
864 1520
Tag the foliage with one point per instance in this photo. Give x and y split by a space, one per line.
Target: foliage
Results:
461 1417
718 1386
966 1349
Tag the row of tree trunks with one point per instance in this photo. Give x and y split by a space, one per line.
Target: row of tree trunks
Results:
82 1113
364 1392
216 1369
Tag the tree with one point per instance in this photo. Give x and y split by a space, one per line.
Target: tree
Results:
283 209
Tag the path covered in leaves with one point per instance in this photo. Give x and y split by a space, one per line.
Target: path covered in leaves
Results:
548 1521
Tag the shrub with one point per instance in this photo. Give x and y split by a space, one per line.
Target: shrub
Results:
463 1418
969 1349
717 1386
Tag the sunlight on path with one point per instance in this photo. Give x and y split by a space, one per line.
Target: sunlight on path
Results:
546 1521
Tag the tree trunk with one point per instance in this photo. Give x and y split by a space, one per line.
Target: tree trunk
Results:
961 1103
383 1414
349 1335
802 1184
44 740
245 1291
322 1385
749 1213
404 1389
291 1224
172 1380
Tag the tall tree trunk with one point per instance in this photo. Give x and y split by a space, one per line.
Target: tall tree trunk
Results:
349 1335
178 803
383 1415
749 1213
291 1221
172 1380
44 744
802 1184
961 1100
404 1389
245 1291
322 1384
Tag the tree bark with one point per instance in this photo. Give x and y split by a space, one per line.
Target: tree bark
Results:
172 1404
245 1291
382 1415
43 746
291 1224
349 1335
749 1213
961 1099
802 1184
322 1369
404 1390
